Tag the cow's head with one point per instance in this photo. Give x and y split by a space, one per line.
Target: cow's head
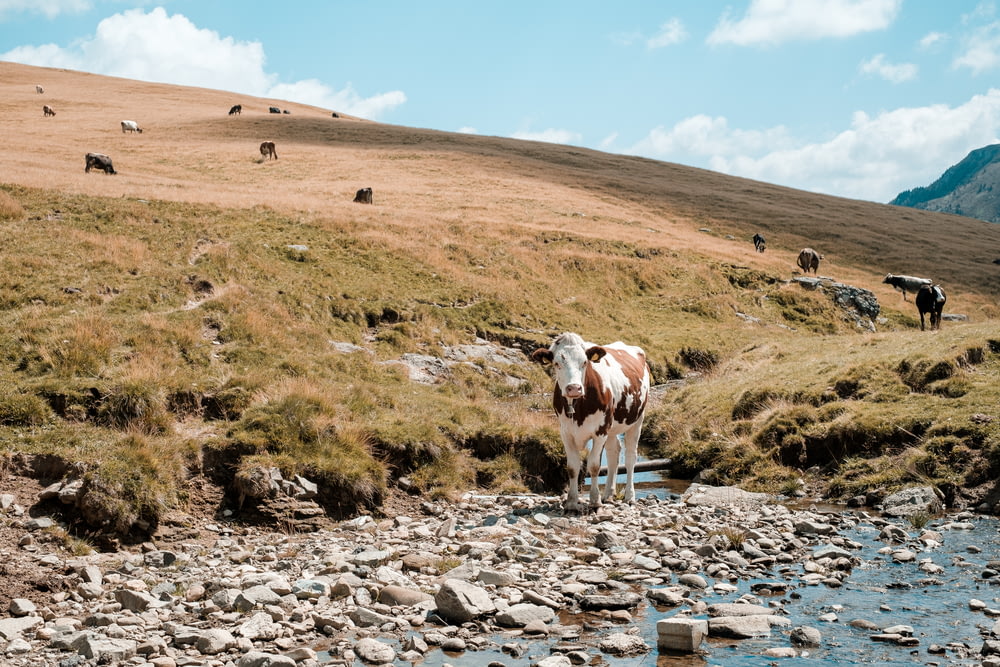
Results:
568 357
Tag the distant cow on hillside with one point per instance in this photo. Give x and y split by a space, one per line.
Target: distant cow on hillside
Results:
267 150
39 90
930 299
274 109
99 161
48 111
130 126
809 260
363 196
759 243
236 110
904 283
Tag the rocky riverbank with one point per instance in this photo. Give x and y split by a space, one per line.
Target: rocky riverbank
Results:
501 576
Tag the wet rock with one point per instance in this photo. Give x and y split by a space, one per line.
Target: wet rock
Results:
805 636
618 601
739 627
519 615
680 634
374 652
622 644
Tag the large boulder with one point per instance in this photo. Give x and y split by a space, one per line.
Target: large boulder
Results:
460 601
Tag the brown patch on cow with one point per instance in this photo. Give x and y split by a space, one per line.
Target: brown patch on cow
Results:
634 367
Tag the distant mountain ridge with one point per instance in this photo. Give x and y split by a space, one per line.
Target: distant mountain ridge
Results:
970 188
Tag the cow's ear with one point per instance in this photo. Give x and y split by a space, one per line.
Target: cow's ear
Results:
596 353
542 356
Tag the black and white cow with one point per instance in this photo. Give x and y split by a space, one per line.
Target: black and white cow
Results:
99 161
601 392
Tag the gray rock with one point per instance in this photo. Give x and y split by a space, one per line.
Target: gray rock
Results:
737 609
402 597
519 615
623 600
22 607
103 649
11 628
693 581
135 600
911 501
259 659
739 627
374 652
621 644
459 601
805 636
159 558
214 641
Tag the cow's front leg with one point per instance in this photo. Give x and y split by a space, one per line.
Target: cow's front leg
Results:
573 462
594 468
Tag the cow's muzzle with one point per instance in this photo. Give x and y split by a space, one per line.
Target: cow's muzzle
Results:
573 391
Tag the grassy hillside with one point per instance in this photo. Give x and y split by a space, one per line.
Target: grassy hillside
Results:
189 315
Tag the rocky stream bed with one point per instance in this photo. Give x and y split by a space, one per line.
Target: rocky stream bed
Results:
494 581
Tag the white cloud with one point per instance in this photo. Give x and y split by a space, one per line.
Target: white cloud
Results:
775 21
932 39
551 136
51 8
171 49
981 49
874 159
893 73
608 141
671 32
468 130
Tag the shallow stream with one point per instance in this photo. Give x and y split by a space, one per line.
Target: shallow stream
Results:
880 590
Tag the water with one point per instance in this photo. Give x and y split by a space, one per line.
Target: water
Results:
880 590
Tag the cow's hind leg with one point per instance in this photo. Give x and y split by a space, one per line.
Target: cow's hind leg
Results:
631 454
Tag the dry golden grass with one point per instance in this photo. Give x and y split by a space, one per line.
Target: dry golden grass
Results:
194 296
429 183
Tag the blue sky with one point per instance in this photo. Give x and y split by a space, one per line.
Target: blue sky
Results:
857 98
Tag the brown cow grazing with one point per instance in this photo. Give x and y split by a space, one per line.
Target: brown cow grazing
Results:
99 161
930 299
809 260
236 110
267 150
364 196
48 111
600 394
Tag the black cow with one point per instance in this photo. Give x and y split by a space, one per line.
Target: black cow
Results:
930 299
335 114
759 243
274 109
99 161
364 196
236 110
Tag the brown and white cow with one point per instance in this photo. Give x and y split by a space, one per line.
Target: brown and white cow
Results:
267 150
600 393
131 126
47 110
